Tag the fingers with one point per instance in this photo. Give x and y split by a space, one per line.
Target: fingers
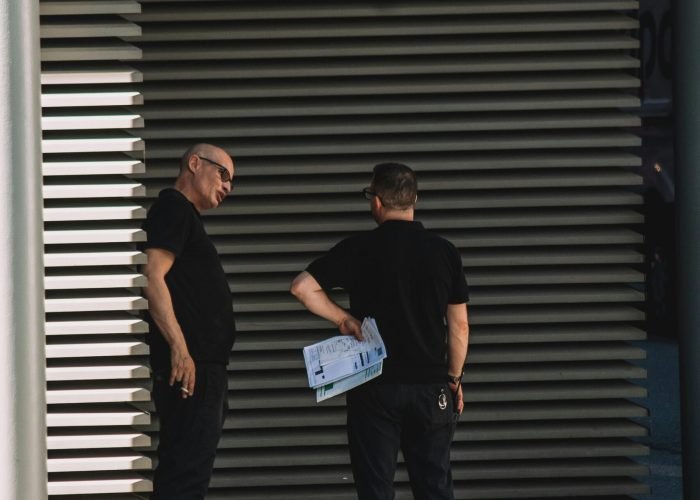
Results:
183 372
351 326
187 387
458 396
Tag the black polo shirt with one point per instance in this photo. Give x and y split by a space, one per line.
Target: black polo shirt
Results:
403 276
200 293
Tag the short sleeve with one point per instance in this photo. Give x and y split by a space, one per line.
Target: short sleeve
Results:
334 269
459 293
167 226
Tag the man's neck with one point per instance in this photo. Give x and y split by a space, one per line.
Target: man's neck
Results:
404 215
187 192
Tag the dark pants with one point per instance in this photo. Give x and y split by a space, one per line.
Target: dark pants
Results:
189 433
417 418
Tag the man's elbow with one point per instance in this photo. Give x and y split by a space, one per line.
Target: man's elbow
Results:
463 329
297 287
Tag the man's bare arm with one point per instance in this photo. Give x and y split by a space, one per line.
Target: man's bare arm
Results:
160 305
307 290
457 345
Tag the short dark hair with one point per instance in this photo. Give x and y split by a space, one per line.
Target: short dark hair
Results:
396 185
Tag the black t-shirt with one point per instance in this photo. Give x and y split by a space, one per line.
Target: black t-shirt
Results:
200 293
404 277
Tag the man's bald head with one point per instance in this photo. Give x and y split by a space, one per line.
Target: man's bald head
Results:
200 149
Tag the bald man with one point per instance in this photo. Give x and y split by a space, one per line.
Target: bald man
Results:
192 327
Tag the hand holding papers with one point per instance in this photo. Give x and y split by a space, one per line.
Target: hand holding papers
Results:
340 363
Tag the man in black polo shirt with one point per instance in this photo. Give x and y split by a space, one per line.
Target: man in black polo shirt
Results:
191 321
412 282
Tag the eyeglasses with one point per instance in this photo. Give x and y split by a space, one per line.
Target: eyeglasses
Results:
223 171
369 194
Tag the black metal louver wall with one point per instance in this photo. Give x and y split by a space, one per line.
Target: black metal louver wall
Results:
517 117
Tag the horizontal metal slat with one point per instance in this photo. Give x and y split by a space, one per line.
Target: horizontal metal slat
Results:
474 432
243 202
78 144
96 349
554 489
92 463
99 326
95 440
325 474
97 372
152 12
485 315
382 27
399 143
88 74
93 50
88 27
102 190
368 105
563 488
80 213
91 122
92 395
99 487
559 275
472 259
94 280
514 489
87 7
560 314
475 189
484 335
78 258
100 303
54 167
128 235
58 99
403 65
486 364
559 295
497 334
457 162
547 382
523 218
410 84
95 416
386 125
156 53
334 446
523 277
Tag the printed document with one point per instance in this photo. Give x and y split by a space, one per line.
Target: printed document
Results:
340 363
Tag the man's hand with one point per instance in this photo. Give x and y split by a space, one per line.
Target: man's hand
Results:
458 397
183 371
351 326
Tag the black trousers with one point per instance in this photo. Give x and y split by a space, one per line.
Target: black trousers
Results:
189 433
417 418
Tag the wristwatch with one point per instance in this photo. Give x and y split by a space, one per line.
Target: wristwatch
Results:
457 379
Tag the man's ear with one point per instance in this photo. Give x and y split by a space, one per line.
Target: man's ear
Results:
193 163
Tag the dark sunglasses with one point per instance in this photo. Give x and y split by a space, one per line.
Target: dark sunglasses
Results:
223 171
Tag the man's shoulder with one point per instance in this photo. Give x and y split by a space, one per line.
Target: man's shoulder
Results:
171 196
170 201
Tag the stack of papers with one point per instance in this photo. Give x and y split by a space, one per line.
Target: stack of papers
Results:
340 363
